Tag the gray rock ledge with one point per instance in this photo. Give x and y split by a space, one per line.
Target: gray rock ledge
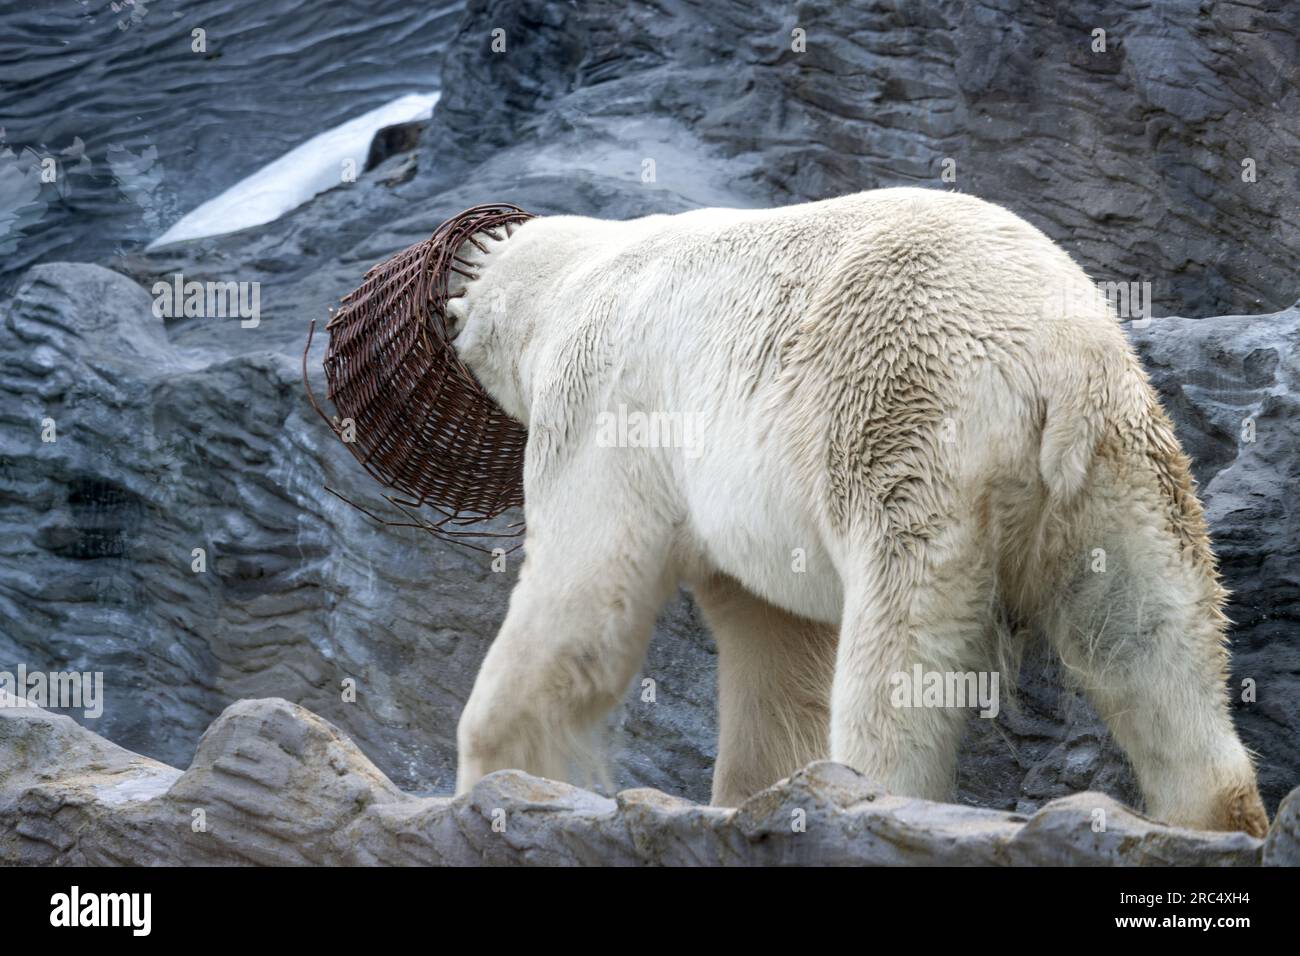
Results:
272 783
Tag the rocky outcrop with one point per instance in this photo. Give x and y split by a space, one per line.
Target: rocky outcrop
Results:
193 433
1162 151
273 784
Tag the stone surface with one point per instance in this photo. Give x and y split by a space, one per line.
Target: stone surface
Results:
1131 157
194 432
393 141
273 784
145 128
1282 842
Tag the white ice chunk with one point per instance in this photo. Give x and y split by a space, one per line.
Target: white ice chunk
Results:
288 182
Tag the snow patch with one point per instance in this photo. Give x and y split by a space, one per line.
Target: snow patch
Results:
298 175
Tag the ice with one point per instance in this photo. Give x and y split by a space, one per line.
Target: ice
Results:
298 175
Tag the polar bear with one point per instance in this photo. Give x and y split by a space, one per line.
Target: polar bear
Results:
917 431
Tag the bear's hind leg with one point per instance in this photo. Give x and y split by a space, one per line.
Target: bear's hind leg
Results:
1136 621
774 682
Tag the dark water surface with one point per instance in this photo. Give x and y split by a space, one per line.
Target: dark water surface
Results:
144 129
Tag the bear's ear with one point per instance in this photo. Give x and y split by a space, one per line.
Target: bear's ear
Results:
457 313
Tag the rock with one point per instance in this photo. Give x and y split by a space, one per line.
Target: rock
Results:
188 433
1136 157
392 140
273 784
1282 842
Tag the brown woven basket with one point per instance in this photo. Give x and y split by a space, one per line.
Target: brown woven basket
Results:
424 426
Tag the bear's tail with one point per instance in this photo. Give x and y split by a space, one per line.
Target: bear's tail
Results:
1094 384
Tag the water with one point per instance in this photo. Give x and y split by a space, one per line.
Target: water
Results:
143 128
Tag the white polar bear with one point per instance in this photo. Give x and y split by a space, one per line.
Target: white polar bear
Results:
917 431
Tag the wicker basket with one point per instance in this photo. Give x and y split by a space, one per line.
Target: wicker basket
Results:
418 420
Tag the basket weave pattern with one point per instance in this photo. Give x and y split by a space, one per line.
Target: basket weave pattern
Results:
424 427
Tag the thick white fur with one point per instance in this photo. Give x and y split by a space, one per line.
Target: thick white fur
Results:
916 424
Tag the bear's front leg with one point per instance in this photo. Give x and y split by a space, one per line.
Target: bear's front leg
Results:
580 617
